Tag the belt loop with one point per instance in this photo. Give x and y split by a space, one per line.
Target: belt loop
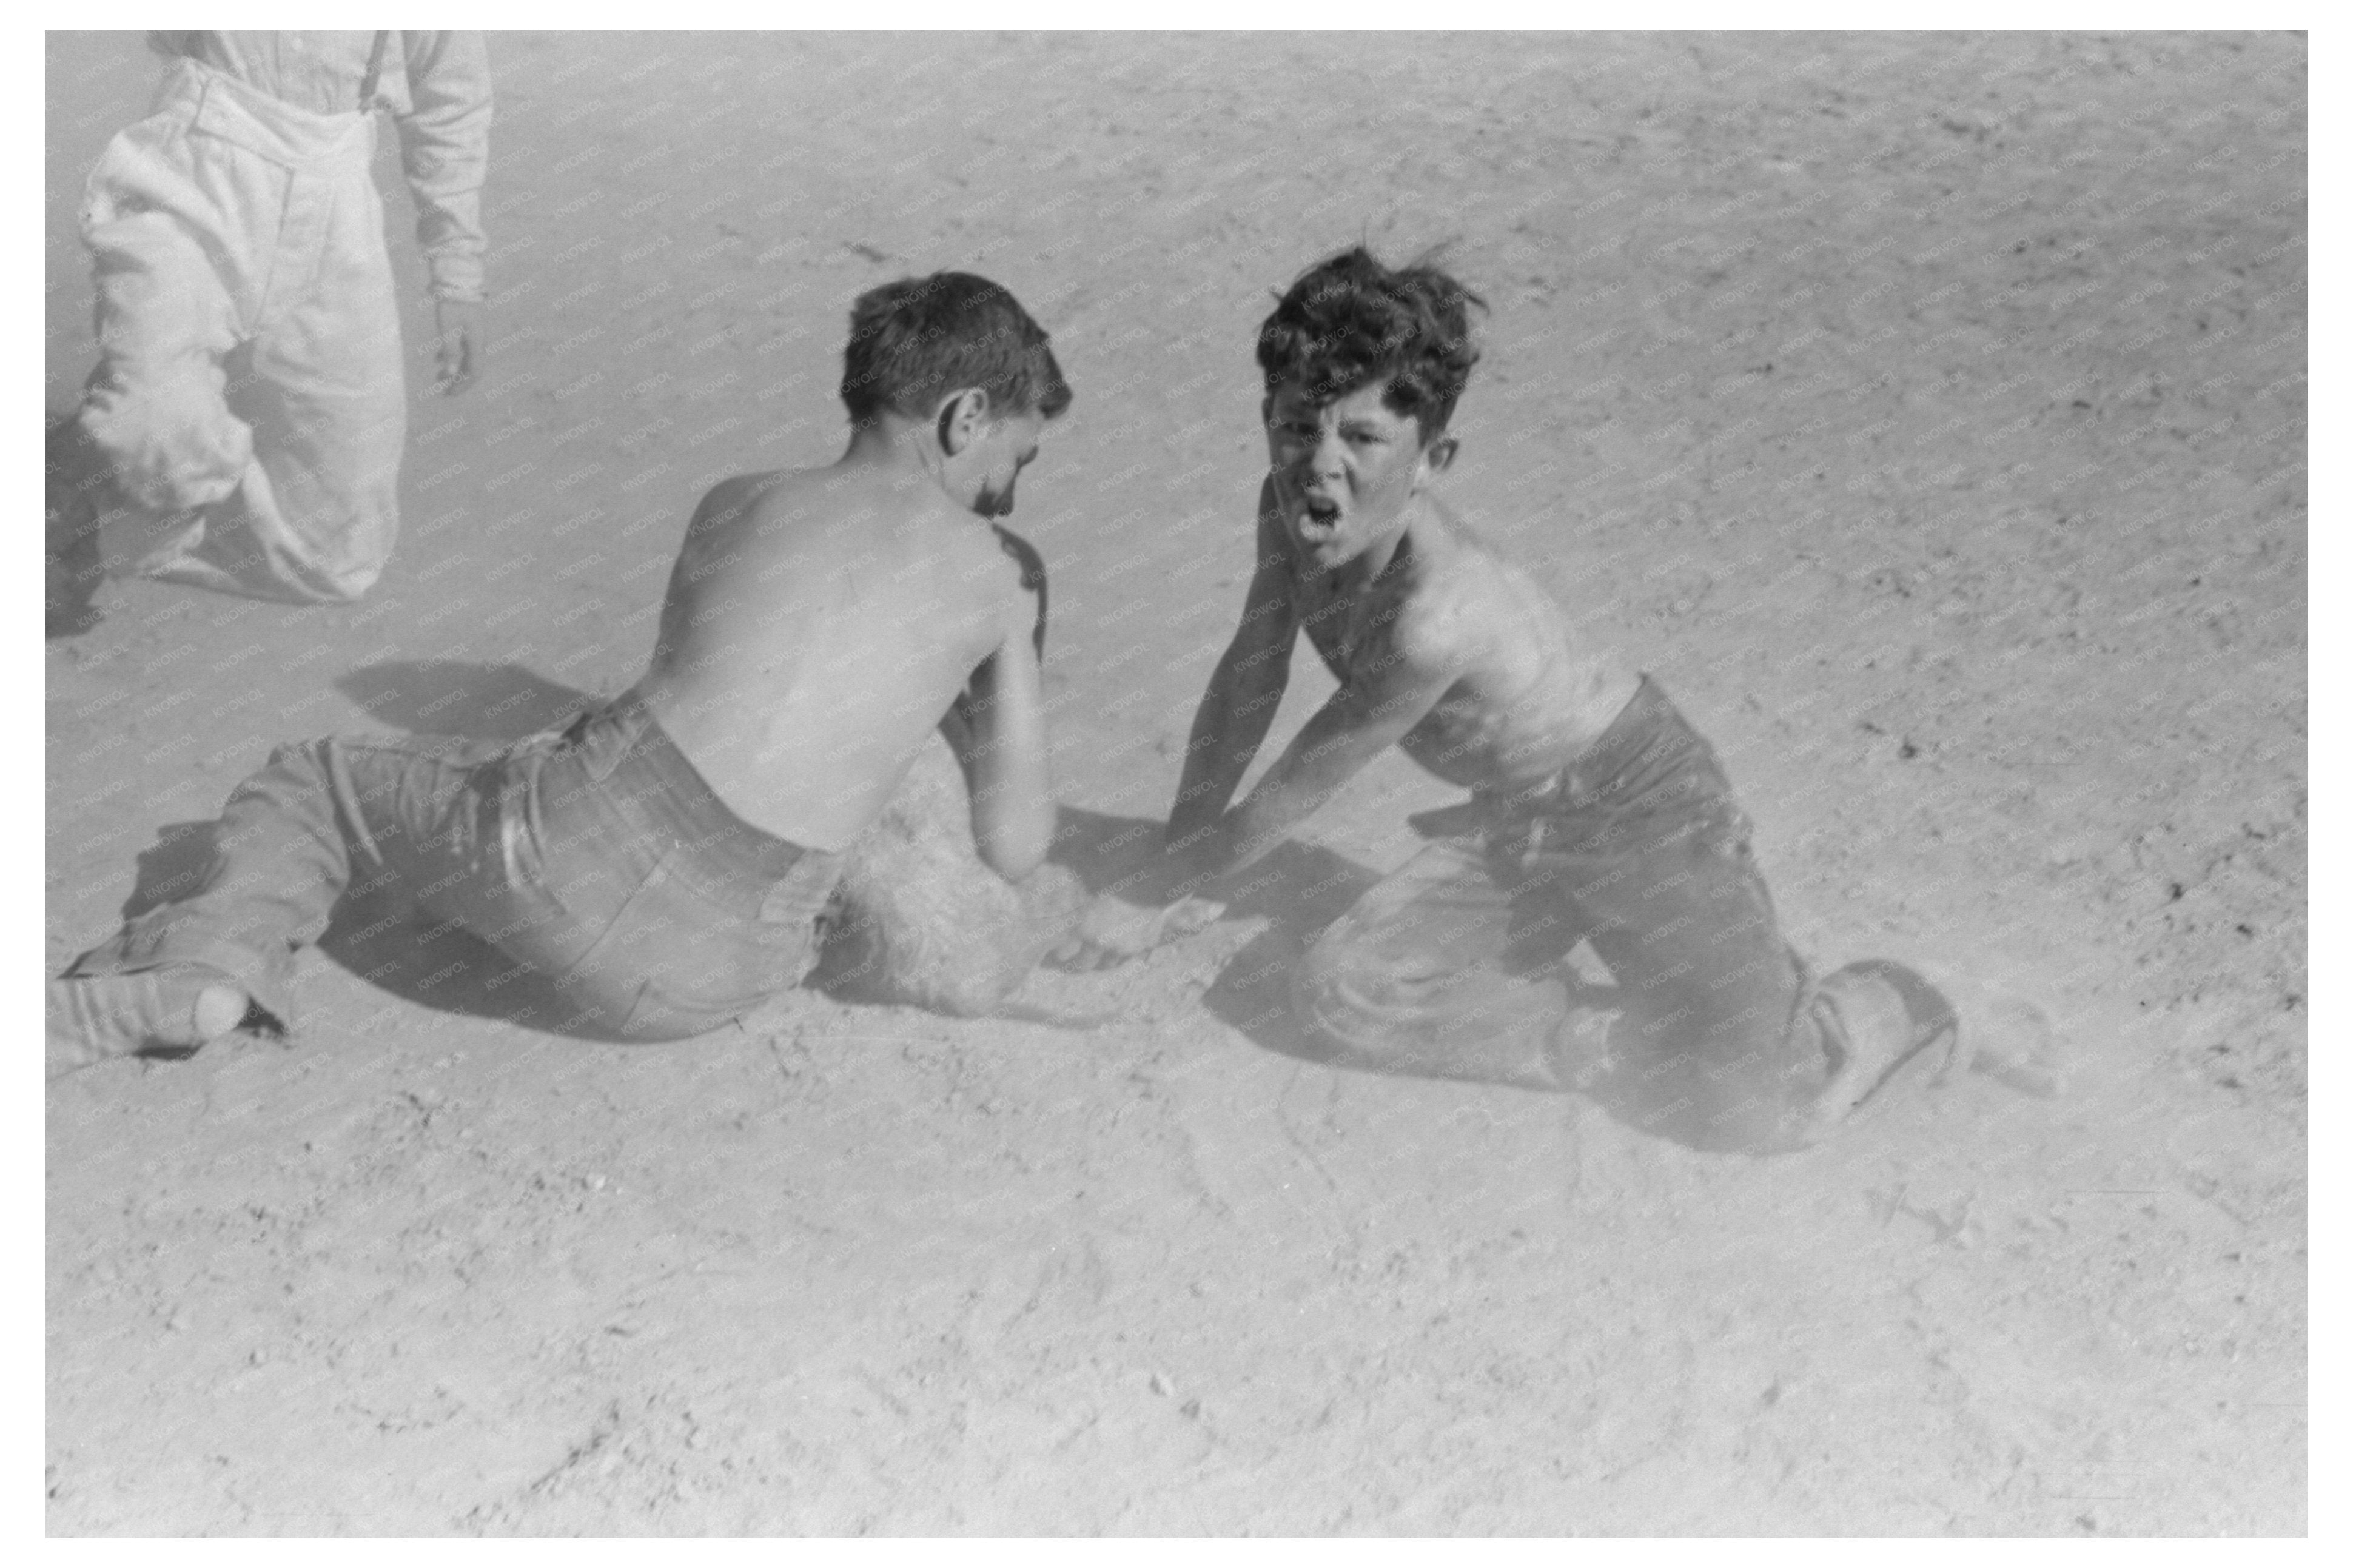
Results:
629 714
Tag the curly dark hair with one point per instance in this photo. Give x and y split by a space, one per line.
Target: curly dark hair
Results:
913 342
1348 321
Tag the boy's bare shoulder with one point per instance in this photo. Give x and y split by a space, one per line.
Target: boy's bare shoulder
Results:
728 508
964 572
773 493
731 497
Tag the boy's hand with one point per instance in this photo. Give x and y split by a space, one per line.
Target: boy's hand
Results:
1152 901
462 342
1112 931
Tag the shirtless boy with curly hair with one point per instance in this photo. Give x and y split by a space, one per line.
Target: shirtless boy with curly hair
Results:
1597 813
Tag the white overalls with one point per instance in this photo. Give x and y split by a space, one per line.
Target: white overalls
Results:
240 215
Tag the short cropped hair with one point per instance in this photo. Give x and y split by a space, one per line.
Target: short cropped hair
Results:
1349 323
915 342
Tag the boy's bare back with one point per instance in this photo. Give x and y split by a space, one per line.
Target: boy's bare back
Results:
817 625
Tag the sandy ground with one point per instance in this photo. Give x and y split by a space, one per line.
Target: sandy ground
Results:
1926 413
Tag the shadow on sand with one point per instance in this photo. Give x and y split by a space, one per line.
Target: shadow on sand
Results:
444 697
1298 891
379 936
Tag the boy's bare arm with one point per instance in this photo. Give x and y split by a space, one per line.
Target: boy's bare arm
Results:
1139 910
1033 578
996 727
1387 693
1390 694
1243 693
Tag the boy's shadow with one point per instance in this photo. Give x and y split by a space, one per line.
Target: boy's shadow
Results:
380 937
1298 890
445 697
376 933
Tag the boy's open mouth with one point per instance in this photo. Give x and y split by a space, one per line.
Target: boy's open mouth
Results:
1321 513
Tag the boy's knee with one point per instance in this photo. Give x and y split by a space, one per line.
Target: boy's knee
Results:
165 449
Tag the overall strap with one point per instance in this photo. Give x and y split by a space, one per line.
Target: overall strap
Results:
374 69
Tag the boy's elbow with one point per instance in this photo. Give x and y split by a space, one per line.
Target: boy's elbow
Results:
1013 844
1015 856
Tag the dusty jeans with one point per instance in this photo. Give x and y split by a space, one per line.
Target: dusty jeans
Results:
224 219
1451 966
596 855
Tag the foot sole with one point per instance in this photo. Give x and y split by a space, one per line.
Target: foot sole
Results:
94 1018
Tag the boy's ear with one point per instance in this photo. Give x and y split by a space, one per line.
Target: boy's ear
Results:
1439 453
1266 408
961 418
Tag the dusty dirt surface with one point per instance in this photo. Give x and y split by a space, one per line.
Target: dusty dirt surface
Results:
1925 412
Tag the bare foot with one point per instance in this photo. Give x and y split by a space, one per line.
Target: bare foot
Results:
1982 1027
2002 1036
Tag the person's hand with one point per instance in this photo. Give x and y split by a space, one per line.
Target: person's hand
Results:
462 342
1113 931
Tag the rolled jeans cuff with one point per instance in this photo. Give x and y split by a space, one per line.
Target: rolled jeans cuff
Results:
159 940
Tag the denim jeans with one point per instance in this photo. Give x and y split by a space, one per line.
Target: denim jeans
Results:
596 855
1452 966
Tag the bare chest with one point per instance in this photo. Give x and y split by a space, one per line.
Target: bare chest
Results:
1346 625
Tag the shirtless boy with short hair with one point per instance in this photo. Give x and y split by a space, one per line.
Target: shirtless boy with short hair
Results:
666 857
1596 813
